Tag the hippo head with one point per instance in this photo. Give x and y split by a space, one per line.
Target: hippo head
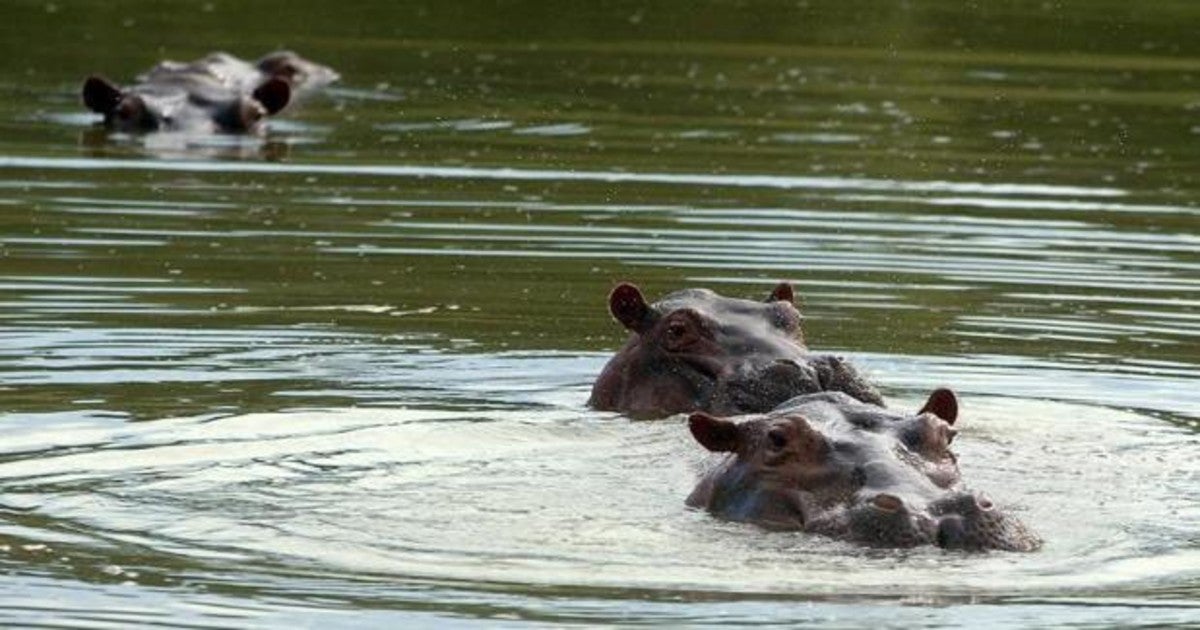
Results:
828 464
122 110
696 350
174 107
296 70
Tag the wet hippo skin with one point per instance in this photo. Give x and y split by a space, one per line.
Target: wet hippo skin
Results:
218 93
695 350
829 464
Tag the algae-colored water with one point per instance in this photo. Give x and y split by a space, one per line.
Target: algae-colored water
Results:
336 375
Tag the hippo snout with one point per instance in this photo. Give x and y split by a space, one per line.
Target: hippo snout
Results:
971 522
967 504
962 521
760 387
886 520
951 533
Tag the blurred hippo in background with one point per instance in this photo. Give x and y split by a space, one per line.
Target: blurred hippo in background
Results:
216 94
829 464
303 76
694 350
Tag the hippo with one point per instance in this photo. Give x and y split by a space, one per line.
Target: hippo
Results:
303 76
218 93
695 350
194 105
829 464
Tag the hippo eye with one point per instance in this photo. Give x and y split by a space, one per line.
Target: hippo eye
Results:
682 330
676 335
777 437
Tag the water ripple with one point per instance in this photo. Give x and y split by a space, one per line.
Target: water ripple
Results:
515 174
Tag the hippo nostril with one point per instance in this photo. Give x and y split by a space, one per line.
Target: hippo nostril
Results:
887 502
961 503
951 533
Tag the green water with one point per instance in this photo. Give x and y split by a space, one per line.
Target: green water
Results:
335 375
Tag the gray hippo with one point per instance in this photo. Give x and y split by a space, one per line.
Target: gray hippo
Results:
218 93
694 350
302 75
829 464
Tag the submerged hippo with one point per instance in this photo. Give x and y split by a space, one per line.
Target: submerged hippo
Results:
302 75
829 464
218 93
694 350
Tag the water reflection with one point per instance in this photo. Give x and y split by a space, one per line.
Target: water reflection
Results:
610 177
420 496
340 369
995 279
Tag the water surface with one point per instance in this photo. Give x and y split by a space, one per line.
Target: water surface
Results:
336 374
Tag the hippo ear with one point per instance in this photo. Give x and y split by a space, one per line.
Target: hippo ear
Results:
716 434
943 404
100 95
782 293
629 307
274 95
